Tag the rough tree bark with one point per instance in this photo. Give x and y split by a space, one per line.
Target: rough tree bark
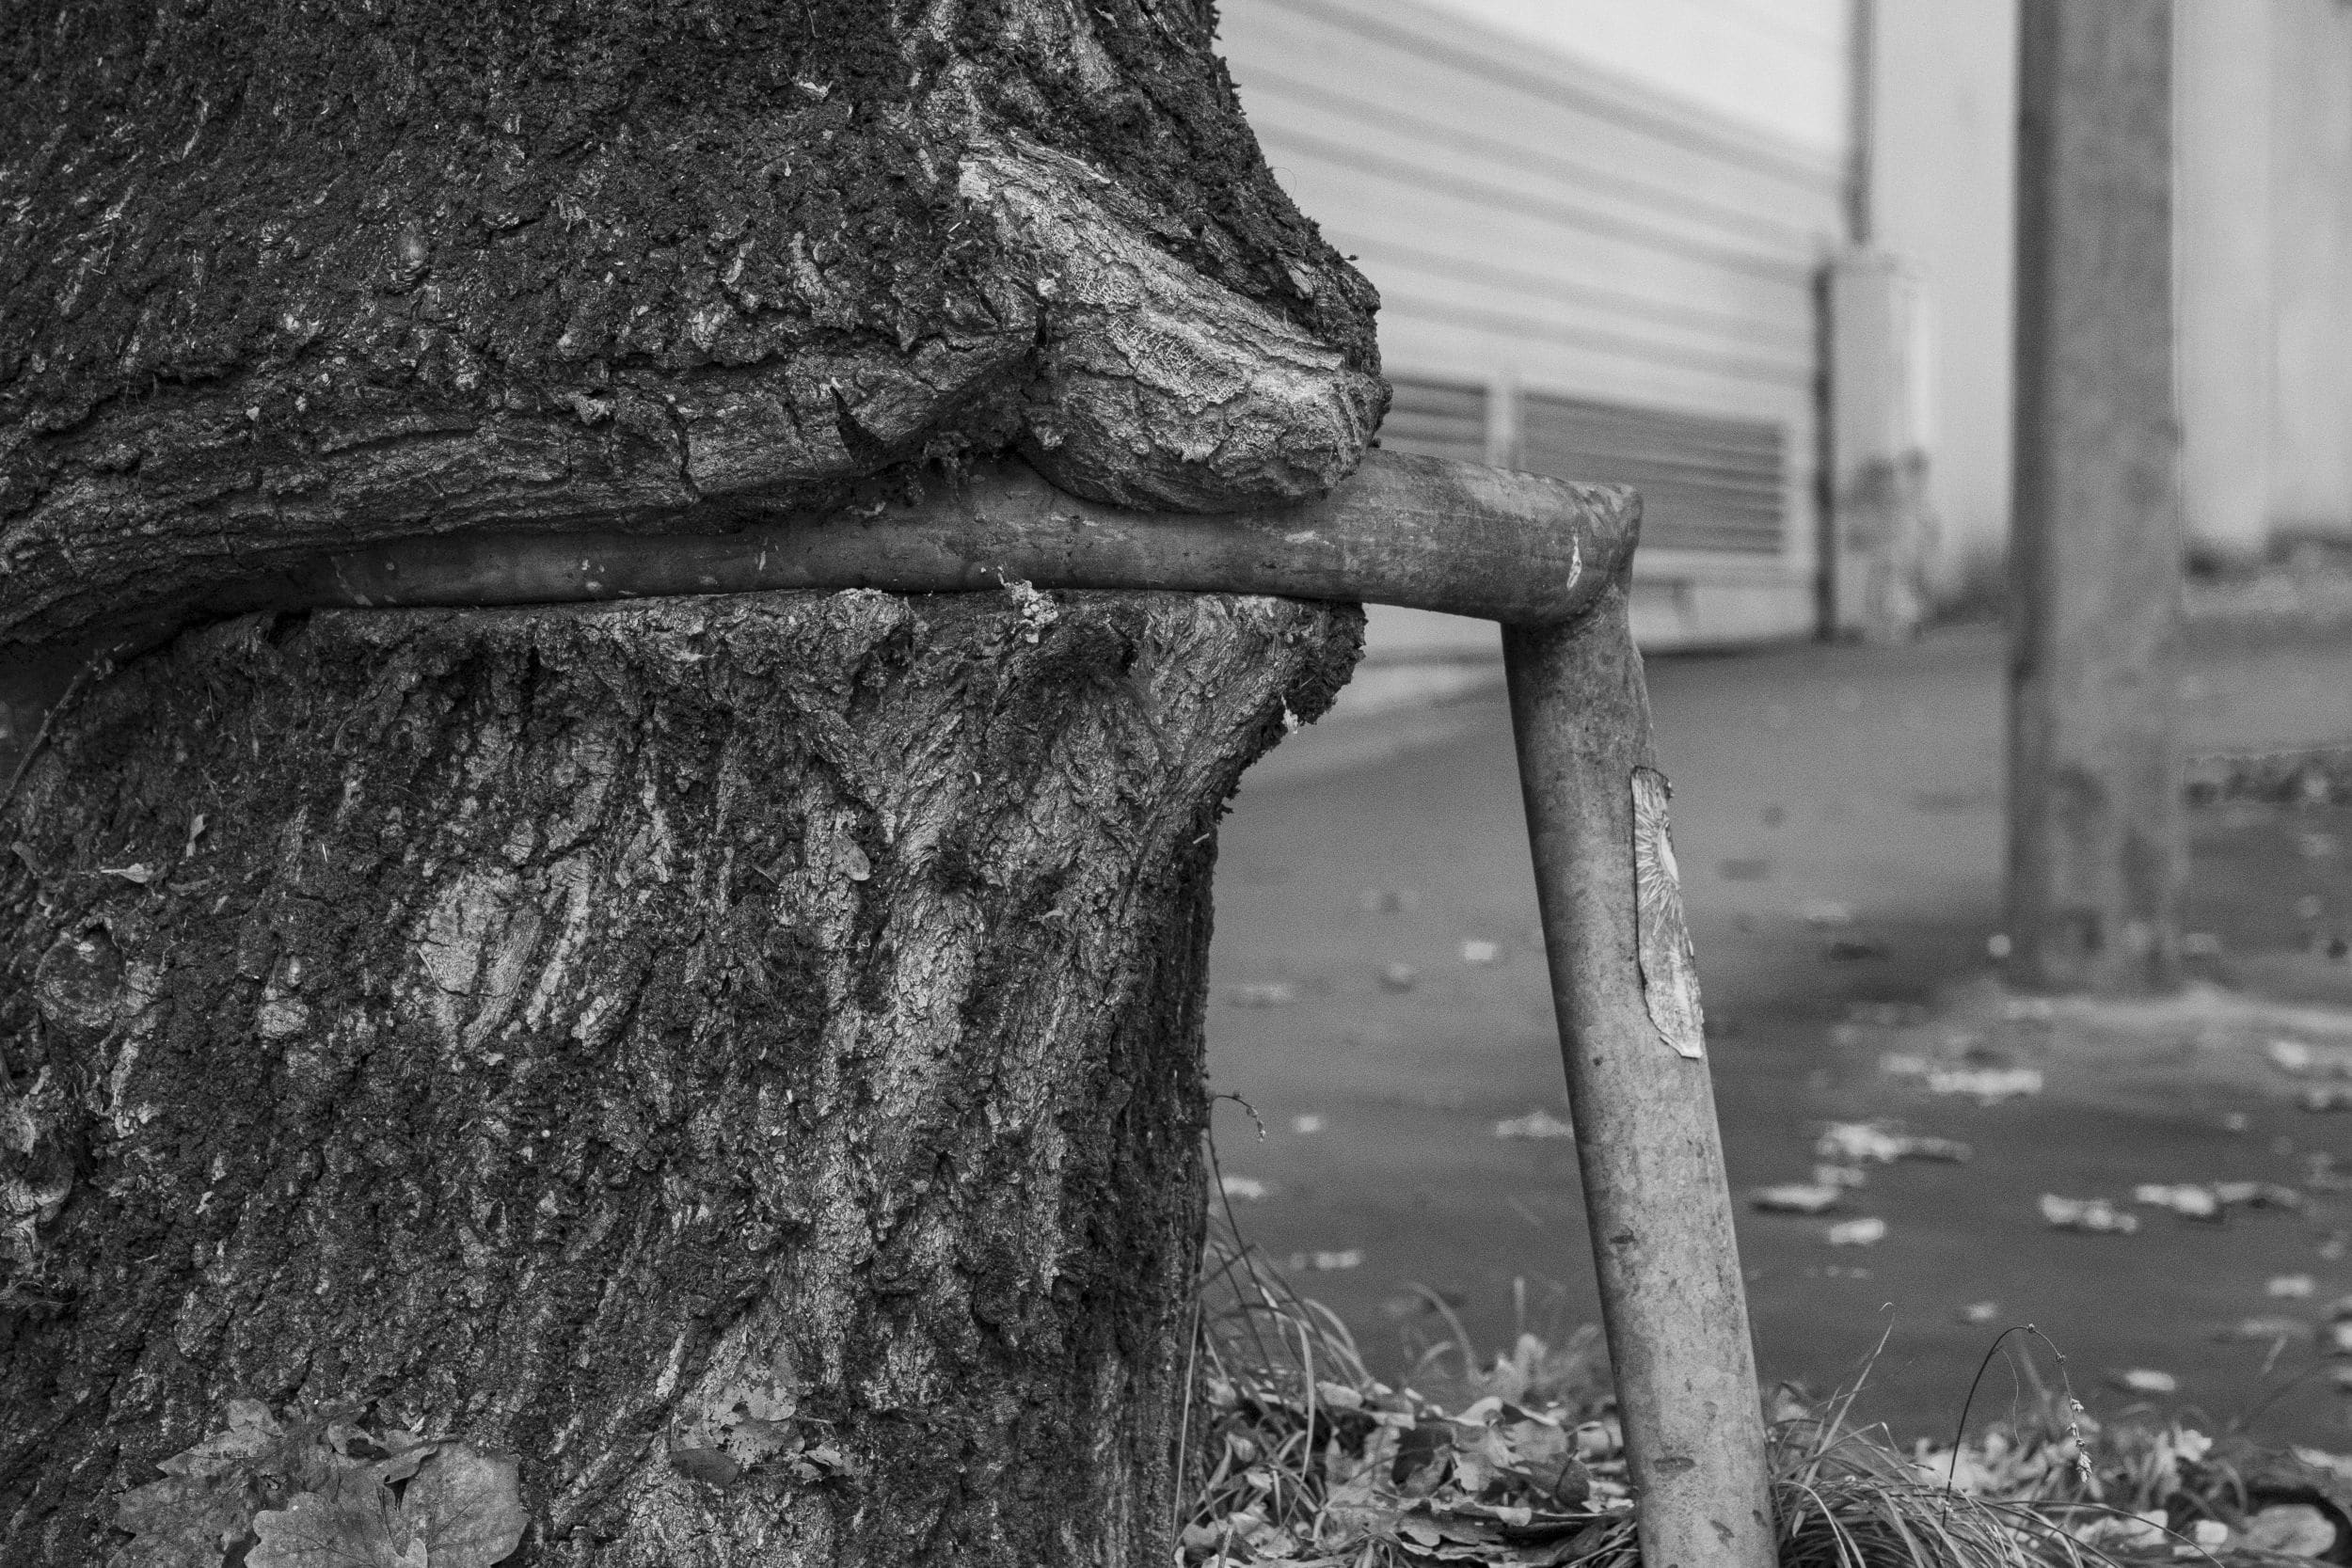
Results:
739 1057
612 1032
282 277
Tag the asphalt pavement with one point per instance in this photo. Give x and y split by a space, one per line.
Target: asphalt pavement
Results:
1382 1009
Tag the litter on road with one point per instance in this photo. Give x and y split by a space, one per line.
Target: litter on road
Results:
1537 1123
1851 1141
2095 1215
1795 1197
1868 1232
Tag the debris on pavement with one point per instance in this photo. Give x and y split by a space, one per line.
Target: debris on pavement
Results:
2146 1380
1851 1141
1476 952
1795 1197
2291 1530
2095 1215
1308 1123
1868 1232
1538 1123
2291 1287
1988 1086
1327 1262
2302 1059
1979 1311
2257 1194
2265 1330
1276 993
2186 1199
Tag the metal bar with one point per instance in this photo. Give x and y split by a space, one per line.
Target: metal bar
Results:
1421 532
1549 560
1656 1198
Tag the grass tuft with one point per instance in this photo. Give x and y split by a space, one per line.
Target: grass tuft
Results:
1293 1453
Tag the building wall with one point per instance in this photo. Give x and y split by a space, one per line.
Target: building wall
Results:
2264 229
2222 72
1944 152
2310 166
1539 223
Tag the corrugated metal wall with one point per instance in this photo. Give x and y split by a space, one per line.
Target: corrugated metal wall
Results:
1625 281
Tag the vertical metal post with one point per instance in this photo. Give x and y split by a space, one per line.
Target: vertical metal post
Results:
2095 861
1655 1195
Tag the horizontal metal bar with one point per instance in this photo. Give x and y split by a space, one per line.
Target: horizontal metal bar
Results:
1425 532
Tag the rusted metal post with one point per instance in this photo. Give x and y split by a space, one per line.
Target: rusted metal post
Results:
1655 1194
2096 860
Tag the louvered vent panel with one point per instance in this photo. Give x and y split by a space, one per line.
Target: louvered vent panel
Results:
1436 419
1707 484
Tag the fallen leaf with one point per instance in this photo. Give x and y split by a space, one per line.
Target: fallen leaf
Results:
2187 1200
2257 1194
1868 1232
467 1507
1989 1085
1887 1014
855 862
1327 1262
1870 1140
2263 1330
2302 1059
1795 1197
2095 1215
137 871
351 1530
2145 1379
2292 1529
1537 1123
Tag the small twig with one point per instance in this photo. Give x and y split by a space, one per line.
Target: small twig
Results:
1959 1434
98 668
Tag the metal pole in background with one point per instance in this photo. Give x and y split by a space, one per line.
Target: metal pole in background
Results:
2095 862
1623 983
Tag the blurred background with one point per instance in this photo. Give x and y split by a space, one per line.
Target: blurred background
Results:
1757 257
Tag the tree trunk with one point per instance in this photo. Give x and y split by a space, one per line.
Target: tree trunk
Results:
740 1057
2095 857
282 279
